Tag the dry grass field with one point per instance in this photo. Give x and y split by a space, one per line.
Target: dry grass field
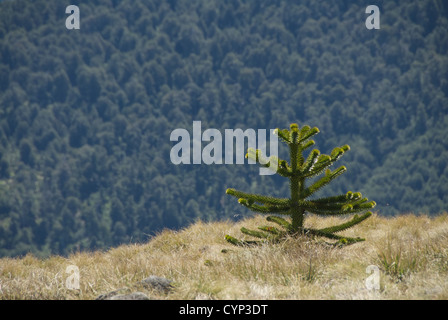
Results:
409 251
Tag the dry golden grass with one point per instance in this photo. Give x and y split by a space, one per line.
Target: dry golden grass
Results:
410 251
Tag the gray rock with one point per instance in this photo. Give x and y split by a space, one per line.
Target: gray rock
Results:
152 282
130 296
107 296
158 283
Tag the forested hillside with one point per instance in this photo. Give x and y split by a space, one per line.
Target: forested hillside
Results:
86 115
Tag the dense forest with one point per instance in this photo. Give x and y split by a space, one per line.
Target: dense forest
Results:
86 114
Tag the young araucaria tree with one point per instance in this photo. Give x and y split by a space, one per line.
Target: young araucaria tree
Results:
298 170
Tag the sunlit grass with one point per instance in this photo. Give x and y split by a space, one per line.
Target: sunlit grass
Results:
410 251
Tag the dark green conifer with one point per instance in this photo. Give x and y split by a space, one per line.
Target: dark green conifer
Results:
298 170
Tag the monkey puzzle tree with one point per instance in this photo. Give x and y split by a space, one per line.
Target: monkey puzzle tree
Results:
298 204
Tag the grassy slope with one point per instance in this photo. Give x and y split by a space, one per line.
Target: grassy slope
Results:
411 252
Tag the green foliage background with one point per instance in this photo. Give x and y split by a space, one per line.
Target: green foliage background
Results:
86 115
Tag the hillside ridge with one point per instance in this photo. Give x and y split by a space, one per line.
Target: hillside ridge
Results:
409 252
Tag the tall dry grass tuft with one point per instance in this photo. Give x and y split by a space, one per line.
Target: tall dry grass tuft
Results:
410 252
